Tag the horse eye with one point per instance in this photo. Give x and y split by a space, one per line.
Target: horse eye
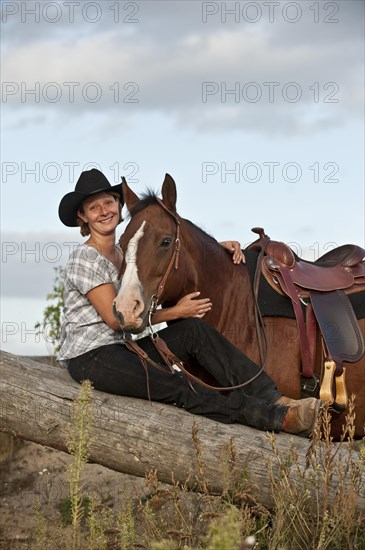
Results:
166 242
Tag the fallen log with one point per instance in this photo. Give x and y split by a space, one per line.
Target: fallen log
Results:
134 436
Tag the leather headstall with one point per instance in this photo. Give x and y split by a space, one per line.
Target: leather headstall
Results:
174 261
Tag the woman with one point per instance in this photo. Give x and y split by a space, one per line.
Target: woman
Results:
92 345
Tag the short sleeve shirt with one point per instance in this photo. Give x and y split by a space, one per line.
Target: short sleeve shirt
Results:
82 327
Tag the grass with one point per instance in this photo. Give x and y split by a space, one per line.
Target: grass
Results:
315 505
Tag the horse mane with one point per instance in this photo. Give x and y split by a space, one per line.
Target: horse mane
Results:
150 197
146 199
204 233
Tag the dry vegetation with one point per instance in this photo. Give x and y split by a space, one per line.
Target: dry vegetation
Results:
162 517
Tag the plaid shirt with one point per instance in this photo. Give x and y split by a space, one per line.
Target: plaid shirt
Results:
82 327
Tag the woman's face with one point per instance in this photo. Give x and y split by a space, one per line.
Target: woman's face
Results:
101 212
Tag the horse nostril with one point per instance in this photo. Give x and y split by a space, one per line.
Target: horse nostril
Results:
137 307
119 317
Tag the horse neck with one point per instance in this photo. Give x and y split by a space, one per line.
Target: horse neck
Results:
207 267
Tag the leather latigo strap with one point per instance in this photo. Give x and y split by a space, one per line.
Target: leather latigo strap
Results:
311 326
307 357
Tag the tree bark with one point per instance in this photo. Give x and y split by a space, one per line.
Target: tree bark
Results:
134 436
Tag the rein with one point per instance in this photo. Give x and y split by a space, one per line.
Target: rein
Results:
171 360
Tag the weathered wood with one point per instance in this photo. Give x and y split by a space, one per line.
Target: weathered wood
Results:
134 436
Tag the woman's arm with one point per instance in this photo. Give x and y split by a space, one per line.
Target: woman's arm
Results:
102 298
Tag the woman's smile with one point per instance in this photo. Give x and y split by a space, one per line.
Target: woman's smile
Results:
108 220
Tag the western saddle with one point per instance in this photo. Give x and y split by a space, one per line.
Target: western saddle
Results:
320 289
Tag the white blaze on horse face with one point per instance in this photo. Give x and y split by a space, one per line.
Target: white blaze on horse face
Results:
129 301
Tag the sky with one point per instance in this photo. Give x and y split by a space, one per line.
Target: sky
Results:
256 109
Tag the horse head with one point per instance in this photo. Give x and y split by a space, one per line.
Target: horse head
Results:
151 248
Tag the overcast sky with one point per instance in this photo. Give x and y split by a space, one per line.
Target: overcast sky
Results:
255 108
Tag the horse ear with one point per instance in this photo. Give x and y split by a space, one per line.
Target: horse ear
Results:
130 198
169 194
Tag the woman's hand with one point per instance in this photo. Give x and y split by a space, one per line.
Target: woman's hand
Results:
186 307
234 248
189 306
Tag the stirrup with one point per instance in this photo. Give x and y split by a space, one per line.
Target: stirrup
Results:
338 404
326 391
341 403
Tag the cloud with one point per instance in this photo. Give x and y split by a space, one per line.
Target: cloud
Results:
266 77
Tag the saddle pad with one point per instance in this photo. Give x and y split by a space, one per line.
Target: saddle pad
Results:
338 324
358 303
273 304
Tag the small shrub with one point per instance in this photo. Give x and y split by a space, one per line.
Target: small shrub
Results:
65 508
225 531
78 445
51 324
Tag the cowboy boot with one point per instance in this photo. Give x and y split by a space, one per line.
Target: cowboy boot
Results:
301 416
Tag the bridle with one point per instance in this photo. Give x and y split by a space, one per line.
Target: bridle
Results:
169 357
174 261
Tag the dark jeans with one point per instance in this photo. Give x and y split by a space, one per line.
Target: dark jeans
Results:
114 369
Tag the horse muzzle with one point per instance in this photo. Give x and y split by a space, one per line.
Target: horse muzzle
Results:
129 313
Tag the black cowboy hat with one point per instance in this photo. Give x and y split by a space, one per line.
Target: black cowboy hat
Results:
89 183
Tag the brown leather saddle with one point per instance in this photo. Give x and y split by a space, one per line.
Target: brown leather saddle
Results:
318 291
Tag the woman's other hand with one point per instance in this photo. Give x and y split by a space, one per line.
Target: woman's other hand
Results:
234 248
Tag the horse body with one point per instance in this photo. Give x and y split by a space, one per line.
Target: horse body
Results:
230 302
205 266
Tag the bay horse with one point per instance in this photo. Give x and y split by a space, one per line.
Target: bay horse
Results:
149 244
